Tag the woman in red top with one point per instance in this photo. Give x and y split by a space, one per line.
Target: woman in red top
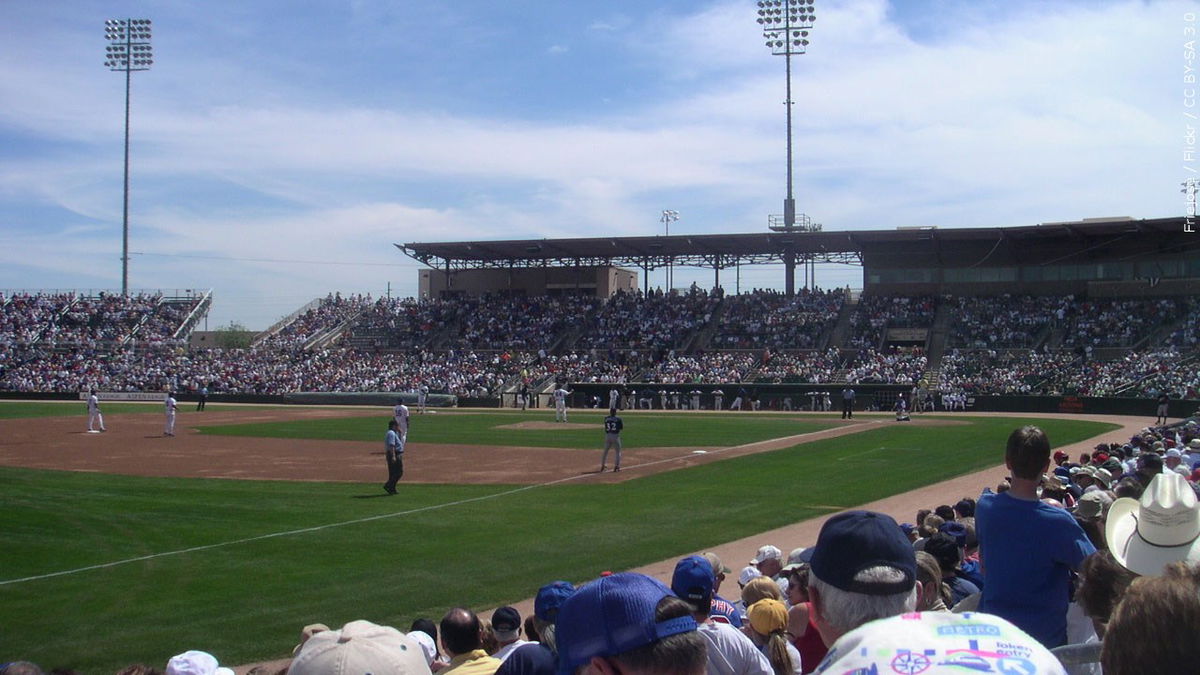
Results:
801 631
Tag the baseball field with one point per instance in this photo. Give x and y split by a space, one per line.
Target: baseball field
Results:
129 547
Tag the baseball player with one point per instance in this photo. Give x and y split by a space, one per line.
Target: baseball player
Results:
662 399
612 439
718 399
170 406
524 395
394 449
422 396
94 416
614 398
400 415
737 401
560 403
901 408
695 393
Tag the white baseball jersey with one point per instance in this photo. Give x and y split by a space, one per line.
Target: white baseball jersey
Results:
400 412
560 396
93 404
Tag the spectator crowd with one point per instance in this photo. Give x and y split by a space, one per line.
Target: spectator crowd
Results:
486 345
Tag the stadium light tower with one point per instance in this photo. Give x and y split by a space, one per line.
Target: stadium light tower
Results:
668 217
128 50
785 25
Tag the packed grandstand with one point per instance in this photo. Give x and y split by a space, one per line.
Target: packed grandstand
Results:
484 346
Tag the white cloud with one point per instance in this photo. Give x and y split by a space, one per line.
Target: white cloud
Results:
1031 117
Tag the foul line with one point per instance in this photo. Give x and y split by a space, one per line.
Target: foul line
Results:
367 519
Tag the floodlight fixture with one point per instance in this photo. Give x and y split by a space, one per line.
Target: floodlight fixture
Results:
128 50
669 216
786 25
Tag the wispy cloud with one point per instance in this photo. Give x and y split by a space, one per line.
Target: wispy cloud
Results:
339 137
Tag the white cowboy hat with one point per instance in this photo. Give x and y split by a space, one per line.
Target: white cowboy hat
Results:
1161 528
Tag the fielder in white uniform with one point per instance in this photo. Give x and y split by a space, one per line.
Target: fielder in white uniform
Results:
400 414
422 395
94 416
169 408
695 398
614 398
560 404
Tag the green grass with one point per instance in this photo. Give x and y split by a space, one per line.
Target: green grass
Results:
641 430
428 549
25 409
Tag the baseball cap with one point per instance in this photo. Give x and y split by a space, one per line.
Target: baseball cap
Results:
613 615
1093 504
718 566
693 581
506 620
425 640
360 647
748 573
1174 453
767 616
949 642
767 552
799 557
550 599
853 541
195 662
956 531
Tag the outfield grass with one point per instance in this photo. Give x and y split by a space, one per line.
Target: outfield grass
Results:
496 428
243 593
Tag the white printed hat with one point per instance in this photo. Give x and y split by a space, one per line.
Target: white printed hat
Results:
939 642
767 552
1163 527
195 662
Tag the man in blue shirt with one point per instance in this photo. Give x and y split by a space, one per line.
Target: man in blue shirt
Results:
1028 549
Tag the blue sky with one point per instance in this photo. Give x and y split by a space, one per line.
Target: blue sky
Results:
323 131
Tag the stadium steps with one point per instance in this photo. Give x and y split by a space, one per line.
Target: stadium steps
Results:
841 328
283 323
938 334
704 335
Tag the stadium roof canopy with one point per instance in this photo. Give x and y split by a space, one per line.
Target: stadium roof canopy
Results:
1113 237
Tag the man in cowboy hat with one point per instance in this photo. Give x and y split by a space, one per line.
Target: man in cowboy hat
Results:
1162 527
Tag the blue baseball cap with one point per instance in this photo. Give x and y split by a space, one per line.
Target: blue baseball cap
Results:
957 531
550 598
853 541
613 615
693 580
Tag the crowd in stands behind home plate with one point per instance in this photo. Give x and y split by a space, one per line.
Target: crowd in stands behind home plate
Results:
774 320
1002 322
655 321
1065 567
876 313
48 341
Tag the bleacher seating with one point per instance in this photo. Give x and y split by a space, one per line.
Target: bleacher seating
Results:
479 346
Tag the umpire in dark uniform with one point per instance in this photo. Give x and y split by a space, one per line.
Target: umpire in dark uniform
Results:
394 448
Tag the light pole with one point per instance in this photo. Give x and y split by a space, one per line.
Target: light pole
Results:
668 217
785 25
128 50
